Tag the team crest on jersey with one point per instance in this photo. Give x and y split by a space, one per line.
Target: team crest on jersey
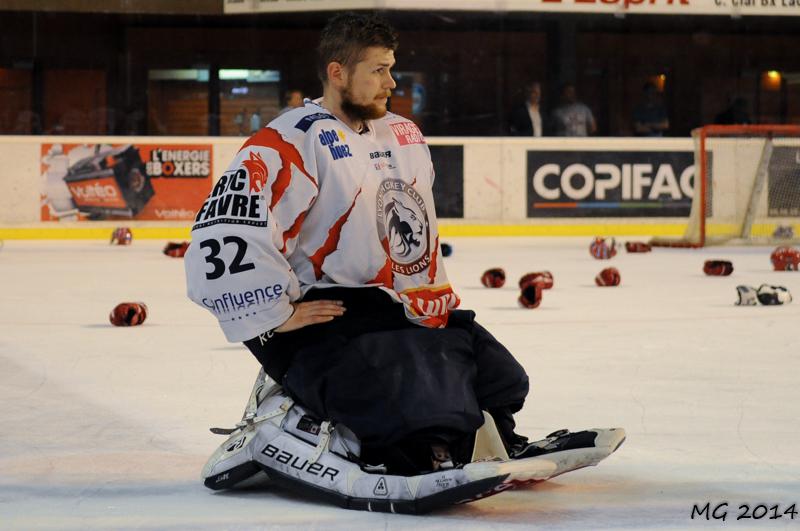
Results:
257 171
403 226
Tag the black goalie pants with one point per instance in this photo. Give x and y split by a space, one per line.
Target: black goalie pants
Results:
391 381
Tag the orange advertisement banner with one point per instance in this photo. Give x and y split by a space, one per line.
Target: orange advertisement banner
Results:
152 182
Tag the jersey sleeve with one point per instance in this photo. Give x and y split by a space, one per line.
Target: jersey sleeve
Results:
237 265
428 295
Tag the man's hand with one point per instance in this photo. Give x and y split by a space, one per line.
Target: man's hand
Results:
314 312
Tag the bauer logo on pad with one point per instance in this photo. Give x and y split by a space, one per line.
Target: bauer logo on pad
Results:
380 488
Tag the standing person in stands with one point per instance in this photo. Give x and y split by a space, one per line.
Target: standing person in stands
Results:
527 117
571 117
650 115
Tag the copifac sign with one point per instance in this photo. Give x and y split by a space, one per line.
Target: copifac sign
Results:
113 181
610 183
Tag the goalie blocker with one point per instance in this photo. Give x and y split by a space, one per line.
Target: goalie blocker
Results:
279 442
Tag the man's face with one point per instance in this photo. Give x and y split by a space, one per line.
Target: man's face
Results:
650 93
369 85
535 94
569 94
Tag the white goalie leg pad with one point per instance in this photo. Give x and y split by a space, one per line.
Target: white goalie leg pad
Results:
282 437
279 451
282 442
295 463
488 444
267 403
322 434
290 446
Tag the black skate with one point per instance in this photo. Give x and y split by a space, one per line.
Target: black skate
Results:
569 451
558 441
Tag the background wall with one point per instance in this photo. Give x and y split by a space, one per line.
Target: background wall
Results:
494 186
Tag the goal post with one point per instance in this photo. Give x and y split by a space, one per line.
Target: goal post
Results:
746 187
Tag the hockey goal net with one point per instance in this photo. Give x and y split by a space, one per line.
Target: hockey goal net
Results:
746 186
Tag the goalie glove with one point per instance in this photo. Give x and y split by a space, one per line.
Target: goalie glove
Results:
773 295
747 296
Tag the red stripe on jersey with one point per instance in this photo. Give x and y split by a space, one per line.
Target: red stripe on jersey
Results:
289 155
294 230
385 276
432 268
332 242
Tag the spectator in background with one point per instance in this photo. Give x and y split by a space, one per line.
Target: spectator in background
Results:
154 124
112 120
238 121
571 117
292 99
101 121
28 123
255 122
75 122
738 112
650 115
134 120
526 118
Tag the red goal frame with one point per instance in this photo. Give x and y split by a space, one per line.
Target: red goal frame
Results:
701 167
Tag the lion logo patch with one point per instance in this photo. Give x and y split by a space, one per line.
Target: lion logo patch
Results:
403 226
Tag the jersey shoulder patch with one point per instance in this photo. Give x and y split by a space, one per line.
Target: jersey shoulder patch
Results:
306 121
406 133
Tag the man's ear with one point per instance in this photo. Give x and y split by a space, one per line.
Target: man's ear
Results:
337 74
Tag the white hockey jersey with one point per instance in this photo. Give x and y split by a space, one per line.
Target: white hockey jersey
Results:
308 202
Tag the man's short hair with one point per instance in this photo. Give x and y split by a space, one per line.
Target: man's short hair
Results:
287 96
346 36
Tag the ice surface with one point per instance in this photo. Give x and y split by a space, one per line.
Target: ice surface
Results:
107 428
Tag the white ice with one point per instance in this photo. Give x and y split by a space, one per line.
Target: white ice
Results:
107 428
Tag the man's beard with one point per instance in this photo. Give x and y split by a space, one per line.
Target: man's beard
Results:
356 111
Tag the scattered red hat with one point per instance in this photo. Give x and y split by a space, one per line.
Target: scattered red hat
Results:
128 314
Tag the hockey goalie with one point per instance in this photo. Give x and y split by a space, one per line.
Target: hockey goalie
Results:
318 248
